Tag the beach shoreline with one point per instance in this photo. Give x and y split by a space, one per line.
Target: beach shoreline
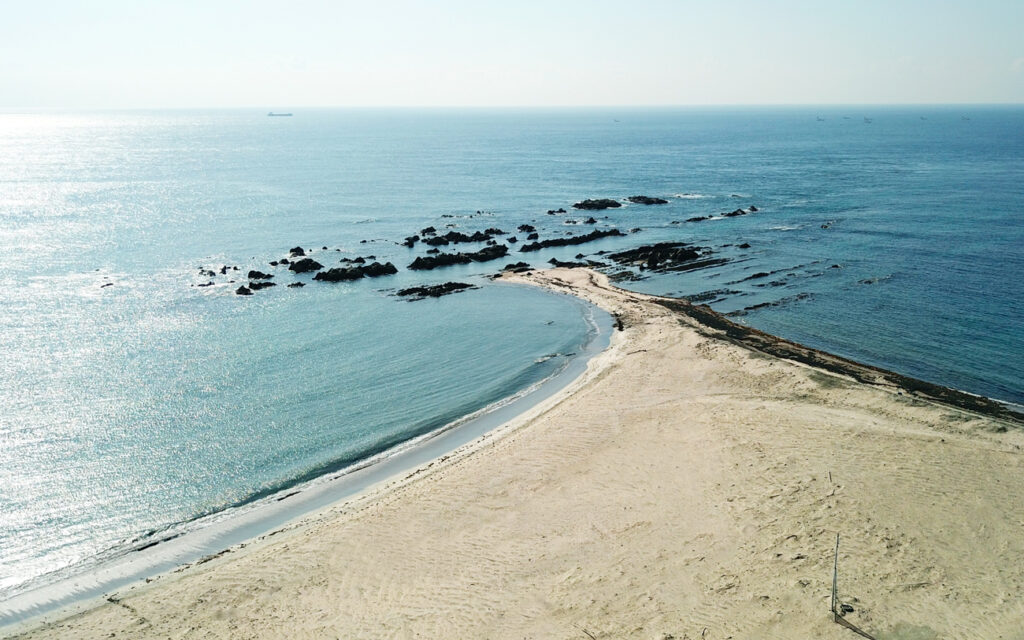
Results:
691 481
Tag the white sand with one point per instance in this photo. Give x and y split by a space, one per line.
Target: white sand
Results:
681 489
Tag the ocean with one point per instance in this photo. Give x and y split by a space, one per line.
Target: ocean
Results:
136 400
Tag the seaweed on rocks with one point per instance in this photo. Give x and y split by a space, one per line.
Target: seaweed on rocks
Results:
424 263
597 234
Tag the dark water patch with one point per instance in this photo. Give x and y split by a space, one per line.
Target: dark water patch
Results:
706 296
774 303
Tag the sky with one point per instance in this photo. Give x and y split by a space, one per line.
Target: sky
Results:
291 53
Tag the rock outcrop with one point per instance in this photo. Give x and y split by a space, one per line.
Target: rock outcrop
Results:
597 204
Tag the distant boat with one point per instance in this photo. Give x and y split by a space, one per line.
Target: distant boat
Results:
278 115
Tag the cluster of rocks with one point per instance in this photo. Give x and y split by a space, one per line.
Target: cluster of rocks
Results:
728 214
659 257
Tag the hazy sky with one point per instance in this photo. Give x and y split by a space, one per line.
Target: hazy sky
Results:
290 53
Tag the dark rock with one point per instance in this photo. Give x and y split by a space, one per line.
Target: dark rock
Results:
661 256
110 284
324 248
517 267
568 265
445 259
733 214
343 274
646 200
526 228
579 256
234 268
295 252
207 272
259 275
759 274
590 220
428 231
223 270
433 251
284 261
256 286
635 230
305 265
339 274
296 284
745 245
533 236
563 242
752 209
436 241
836 266
376 270
494 231
434 291
243 291
697 219
491 243
359 260
411 240
512 239
600 203
208 284
273 263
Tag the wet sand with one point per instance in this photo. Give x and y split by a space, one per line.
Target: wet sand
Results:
689 485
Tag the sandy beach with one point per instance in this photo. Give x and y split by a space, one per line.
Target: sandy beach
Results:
686 486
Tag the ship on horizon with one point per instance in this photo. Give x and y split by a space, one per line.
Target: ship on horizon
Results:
272 114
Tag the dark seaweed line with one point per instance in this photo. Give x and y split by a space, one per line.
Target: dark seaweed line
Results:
773 345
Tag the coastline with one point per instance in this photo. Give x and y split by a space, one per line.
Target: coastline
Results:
685 484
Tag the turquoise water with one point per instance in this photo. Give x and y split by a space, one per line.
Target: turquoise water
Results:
129 409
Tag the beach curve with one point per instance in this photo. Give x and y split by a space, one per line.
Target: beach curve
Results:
684 486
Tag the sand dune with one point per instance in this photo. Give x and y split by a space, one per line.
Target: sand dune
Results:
684 487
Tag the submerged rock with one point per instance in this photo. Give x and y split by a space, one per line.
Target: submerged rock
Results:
646 200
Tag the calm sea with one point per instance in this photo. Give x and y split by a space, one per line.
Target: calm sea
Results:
132 400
